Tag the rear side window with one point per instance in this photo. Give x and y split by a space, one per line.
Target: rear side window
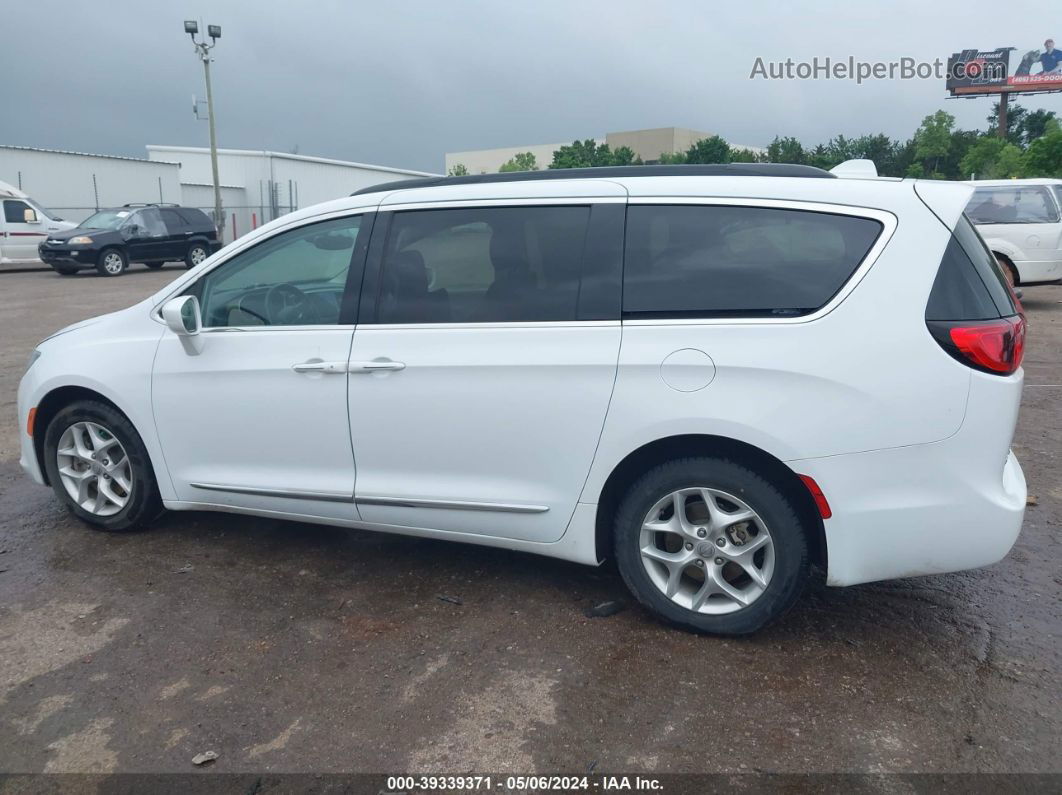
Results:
703 261
174 221
969 283
197 219
1021 204
484 264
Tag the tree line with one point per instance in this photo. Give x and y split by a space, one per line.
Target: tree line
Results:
937 150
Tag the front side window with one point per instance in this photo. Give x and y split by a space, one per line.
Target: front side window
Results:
296 278
15 211
703 261
485 264
1025 204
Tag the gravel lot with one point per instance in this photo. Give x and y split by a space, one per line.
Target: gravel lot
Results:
288 647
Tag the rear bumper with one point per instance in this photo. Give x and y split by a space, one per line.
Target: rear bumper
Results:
931 508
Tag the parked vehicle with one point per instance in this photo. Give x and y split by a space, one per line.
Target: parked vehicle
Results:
23 224
715 374
1021 223
108 240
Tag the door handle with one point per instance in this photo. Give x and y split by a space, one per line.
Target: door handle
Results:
320 367
376 366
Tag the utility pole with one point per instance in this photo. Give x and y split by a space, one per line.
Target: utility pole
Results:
191 27
1003 101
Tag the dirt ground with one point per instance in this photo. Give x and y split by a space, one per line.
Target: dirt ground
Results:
287 647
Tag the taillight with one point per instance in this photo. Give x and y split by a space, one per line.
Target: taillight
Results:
992 346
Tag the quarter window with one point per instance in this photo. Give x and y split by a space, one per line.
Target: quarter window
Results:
486 264
1027 204
703 261
296 278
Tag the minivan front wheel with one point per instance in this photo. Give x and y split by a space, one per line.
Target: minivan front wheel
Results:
99 468
112 262
710 545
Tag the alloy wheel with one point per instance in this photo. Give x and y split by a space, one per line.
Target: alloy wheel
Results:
707 550
112 263
197 255
94 468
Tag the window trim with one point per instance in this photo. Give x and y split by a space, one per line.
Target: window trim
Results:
374 268
354 274
885 218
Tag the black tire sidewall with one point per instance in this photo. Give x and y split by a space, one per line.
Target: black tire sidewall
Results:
790 543
144 503
99 262
188 257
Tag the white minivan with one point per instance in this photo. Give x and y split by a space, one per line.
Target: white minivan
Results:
24 225
715 375
1021 223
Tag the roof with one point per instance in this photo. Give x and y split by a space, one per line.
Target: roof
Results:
288 156
1006 183
87 154
612 172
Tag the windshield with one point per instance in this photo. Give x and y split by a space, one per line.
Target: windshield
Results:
105 219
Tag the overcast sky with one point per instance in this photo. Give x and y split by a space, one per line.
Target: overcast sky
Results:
402 82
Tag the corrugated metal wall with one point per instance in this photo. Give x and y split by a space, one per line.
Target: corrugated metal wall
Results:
74 185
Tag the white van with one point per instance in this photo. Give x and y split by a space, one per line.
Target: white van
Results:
24 225
715 374
1021 222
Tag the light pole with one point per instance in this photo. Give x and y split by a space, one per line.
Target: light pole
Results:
191 27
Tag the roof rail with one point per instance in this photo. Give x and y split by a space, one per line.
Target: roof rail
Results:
612 172
151 204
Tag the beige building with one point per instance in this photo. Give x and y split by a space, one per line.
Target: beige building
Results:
649 145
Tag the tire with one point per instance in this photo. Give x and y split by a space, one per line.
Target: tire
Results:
197 252
154 265
112 262
131 483
63 271
1009 270
780 560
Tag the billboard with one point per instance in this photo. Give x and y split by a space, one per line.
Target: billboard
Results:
1003 71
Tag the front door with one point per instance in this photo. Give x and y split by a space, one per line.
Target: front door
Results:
480 383
146 236
21 238
252 413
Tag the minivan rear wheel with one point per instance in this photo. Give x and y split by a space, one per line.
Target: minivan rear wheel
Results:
99 468
710 545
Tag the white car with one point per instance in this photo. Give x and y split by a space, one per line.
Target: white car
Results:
24 224
1021 223
715 374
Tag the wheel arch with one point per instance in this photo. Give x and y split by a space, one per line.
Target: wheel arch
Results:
55 401
639 461
1009 262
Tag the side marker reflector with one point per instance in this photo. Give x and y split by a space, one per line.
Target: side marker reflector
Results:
30 420
820 499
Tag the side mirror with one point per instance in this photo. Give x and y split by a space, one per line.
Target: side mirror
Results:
29 216
182 316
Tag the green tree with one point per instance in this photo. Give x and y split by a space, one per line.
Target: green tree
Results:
458 170
672 158
1035 124
991 157
786 150
1043 158
933 142
521 161
745 156
1016 116
709 150
624 156
582 154
961 141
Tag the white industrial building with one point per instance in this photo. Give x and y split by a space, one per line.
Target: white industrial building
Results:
256 186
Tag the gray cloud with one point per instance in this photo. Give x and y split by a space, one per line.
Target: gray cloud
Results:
401 83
